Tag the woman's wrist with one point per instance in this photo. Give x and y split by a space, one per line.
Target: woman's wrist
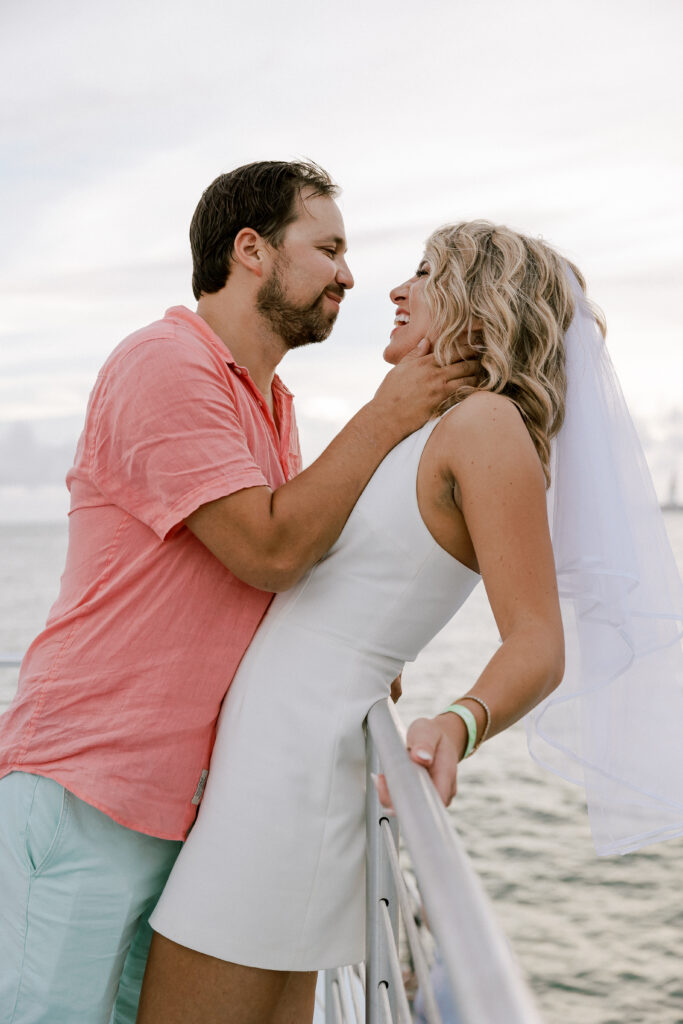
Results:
456 730
482 713
474 718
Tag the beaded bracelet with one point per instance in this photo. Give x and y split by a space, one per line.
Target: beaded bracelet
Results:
471 696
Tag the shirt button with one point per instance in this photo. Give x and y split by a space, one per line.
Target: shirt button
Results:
238 371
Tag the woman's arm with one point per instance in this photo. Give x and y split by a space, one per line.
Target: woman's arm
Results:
497 482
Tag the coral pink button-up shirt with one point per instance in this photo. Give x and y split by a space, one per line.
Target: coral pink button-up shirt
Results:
118 696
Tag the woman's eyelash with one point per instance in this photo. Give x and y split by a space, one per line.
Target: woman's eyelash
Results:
422 272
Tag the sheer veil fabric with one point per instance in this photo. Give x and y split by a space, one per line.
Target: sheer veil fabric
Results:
615 723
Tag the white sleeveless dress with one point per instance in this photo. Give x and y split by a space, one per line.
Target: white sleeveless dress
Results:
272 874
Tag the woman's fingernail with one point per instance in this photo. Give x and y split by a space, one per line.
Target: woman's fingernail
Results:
424 755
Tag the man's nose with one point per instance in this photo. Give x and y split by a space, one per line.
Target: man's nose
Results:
344 275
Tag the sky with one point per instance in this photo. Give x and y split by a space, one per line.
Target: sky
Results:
560 120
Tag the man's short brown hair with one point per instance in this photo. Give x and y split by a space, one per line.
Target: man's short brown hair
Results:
261 196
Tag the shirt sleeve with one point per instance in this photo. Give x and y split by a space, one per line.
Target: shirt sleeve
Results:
166 434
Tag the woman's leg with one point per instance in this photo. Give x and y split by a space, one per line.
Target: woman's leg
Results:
182 986
297 1002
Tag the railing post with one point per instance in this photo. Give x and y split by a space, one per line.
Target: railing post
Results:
379 888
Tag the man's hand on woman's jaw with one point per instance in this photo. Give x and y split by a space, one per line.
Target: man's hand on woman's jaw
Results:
467 367
417 386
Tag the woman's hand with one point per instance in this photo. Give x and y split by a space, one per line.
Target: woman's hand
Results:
438 745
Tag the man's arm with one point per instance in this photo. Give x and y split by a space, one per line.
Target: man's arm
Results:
269 539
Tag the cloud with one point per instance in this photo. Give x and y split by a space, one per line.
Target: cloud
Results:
116 117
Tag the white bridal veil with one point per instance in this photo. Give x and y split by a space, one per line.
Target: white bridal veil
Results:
615 723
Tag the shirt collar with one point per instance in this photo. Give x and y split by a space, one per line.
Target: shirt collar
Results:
199 326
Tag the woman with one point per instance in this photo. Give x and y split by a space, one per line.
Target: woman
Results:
269 887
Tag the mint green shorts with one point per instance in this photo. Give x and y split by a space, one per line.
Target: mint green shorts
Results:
76 889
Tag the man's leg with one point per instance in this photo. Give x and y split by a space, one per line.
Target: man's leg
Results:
185 987
74 886
128 995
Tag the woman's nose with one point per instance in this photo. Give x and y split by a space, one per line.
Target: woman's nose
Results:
399 292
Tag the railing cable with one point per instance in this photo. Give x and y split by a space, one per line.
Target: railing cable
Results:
402 1008
414 940
354 981
385 1004
342 978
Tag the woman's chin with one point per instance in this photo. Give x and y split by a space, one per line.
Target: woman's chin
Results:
399 348
390 357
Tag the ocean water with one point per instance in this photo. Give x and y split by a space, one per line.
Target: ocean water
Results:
600 940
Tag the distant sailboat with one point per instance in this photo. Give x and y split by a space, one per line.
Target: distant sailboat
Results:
672 504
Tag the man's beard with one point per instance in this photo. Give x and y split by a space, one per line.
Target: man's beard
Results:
297 325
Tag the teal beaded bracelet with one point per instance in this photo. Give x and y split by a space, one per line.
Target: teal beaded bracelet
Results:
470 723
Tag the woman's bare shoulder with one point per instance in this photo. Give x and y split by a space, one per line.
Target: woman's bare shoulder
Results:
484 411
485 429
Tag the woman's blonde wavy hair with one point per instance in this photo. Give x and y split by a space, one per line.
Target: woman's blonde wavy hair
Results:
518 288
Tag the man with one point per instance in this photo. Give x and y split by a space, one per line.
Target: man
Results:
186 514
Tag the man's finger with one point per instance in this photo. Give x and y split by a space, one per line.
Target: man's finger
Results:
423 348
463 368
462 388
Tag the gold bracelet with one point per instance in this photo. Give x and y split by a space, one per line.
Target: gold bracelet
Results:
470 696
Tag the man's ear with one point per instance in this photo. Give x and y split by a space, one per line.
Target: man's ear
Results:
250 250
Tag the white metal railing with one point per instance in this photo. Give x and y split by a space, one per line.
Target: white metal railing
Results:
484 984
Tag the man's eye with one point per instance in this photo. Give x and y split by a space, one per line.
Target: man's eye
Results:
331 252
